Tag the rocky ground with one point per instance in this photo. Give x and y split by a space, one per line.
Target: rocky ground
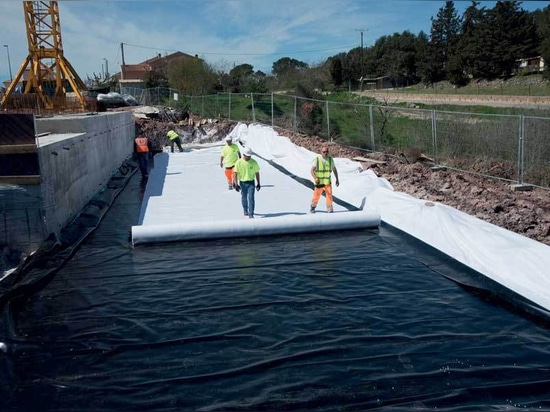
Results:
491 200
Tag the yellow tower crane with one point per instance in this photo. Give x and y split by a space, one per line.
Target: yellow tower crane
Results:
50 75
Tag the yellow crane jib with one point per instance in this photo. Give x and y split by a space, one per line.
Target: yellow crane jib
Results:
46 73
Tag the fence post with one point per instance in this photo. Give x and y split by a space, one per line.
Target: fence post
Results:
272 114
521 147
329 138
295 115
434 138
253 111
229 111
371 121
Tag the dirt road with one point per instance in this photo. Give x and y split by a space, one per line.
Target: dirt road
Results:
531 102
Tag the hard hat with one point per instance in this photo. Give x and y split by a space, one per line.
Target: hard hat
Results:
247 151
228 138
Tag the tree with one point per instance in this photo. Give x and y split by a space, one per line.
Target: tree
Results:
471 41
286 66
542 19
336 71
396 56
513 33
155 79
444 36
255 83
505 34
239 76
192 76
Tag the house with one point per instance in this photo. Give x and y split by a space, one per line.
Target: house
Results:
530 64
134 75
384 82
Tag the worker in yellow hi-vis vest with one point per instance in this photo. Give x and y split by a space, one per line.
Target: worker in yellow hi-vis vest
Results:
321 171
174 138
229 156
245 171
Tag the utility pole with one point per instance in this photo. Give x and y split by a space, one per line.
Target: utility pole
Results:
123 64
9 62
106 68
361 58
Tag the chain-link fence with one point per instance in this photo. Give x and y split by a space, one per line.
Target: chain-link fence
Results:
509 147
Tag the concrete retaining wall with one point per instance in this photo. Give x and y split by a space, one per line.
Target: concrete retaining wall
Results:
76 166
77 155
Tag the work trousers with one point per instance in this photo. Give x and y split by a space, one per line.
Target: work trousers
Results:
177 141
143 162
247 197
318 191
229 175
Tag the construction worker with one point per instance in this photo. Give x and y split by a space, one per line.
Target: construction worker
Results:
230 155
141 148
321 171
174 138
244 172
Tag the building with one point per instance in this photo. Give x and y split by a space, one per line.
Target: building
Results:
134 75
530 64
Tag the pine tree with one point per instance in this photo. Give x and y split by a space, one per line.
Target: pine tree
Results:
444 37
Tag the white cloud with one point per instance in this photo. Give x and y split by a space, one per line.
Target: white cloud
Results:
223 32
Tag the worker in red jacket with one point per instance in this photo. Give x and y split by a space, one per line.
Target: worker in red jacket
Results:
141 148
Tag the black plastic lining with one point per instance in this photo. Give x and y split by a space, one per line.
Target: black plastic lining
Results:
39 268
468 278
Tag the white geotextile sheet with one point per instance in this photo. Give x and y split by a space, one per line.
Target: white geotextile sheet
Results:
187 198
516 262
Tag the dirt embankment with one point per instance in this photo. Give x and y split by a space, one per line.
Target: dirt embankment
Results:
491 200
523 212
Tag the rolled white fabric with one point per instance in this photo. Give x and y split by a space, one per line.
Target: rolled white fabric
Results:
246 227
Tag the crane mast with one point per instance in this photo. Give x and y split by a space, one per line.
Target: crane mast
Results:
50 75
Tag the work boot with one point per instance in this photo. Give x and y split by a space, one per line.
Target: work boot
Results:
329 211
312 209
230 187
245 212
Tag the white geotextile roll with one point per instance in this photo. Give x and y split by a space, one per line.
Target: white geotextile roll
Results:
245 227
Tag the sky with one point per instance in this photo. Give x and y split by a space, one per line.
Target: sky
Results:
225 33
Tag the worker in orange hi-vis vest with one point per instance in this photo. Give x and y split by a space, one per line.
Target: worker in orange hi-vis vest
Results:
230 155
141 145
321 171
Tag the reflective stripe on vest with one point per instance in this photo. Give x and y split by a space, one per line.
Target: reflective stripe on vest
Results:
141 145
323 170
172 135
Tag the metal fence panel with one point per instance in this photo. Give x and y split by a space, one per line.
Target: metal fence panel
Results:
485 144
502 146
350 124
536 149
402 130
284 111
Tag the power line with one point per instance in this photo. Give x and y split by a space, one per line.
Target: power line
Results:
240 54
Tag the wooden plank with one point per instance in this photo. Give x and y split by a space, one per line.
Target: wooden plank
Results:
20 180
17 148
365 159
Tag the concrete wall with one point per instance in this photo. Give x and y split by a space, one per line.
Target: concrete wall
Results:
77 160
22 218
77 155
